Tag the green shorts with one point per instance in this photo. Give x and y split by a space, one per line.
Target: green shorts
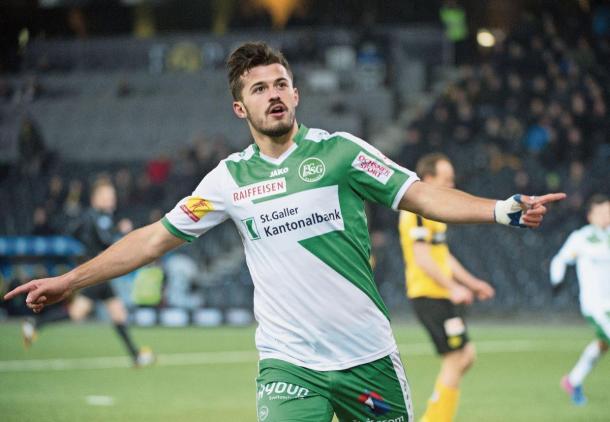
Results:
373 392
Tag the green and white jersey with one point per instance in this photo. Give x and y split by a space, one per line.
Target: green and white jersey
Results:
301 218
589 249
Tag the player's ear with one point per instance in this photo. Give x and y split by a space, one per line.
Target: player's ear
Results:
239 109
296 97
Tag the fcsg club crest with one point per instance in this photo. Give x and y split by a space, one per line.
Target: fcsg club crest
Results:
312 169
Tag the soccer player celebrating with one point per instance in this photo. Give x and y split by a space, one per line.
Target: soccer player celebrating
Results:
436 284
589 249
297 198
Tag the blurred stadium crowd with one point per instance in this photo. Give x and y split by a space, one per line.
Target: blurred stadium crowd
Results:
530 114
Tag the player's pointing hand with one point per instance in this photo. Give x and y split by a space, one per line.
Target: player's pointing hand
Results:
536 210
523 210
42 292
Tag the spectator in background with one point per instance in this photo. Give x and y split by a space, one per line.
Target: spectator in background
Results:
202 153
601 21
181 270
412 146
453 17
42 226
55 196
158 170
123 182
537 137
32 153
73 205
576 185
512 131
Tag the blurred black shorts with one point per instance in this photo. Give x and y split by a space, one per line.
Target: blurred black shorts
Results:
102 291
444 322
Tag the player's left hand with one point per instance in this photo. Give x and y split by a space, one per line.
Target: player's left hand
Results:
523 210
484 291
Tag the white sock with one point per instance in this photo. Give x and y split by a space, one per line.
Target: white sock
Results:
587 361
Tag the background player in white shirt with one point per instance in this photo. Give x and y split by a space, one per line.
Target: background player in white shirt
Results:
589 249
296 197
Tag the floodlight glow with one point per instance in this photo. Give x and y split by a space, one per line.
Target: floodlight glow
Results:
485 38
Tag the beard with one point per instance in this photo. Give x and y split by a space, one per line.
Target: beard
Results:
275 129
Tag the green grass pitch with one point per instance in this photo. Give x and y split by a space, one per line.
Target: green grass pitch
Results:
80 373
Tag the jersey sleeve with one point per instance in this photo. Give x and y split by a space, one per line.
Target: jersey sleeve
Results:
566 256
375 177
199 212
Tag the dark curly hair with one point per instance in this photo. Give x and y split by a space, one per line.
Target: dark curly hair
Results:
248 56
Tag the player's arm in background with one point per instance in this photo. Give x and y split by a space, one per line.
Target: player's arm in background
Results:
455 206
423 258
482 289
566 256
136 249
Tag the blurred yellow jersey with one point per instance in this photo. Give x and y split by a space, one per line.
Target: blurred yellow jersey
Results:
413 228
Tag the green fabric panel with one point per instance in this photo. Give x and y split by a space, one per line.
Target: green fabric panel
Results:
255 169
337 251
348 252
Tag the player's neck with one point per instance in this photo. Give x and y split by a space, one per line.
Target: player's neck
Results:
275 146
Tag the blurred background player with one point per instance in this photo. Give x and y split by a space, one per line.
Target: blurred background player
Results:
97 230
437 285
589 249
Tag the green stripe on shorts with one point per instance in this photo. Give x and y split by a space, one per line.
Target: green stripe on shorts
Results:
599 331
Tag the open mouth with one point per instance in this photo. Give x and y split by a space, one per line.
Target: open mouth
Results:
277 110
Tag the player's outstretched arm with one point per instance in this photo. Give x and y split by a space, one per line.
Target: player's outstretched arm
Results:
132 251
455 206
566 256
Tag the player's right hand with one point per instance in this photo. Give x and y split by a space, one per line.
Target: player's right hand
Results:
524 211
460 295
42 292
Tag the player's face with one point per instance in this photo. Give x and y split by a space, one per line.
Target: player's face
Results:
268 100
104 199
445 176
600 215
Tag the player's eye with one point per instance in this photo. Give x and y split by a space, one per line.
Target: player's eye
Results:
258 89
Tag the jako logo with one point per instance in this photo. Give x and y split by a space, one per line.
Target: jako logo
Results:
278 172
374 402
311 169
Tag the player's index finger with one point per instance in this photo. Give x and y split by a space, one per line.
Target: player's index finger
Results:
17 291
549 197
